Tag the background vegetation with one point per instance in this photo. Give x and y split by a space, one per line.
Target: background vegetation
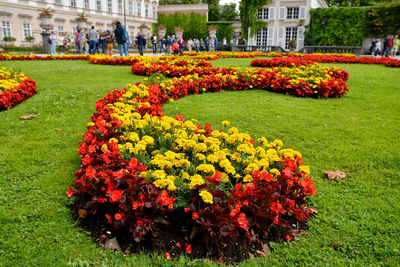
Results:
195 25
349 26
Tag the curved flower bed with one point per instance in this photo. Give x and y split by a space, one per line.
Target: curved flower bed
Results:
304 59
141 171
14 88
36 57
311 81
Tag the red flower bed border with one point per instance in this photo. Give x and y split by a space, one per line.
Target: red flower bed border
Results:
309 59
10 98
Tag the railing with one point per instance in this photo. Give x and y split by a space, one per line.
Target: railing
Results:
331 49
262 48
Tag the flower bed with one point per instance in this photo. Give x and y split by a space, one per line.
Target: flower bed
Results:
141 171
14 88
304 59
36 57
311 81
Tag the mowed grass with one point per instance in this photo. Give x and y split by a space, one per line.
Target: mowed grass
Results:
358 134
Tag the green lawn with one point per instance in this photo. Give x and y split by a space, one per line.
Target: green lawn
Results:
358 134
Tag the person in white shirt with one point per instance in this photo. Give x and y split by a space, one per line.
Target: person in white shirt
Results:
53 40
190 44
378 47
224 44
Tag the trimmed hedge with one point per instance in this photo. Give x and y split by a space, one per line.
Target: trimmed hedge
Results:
349 26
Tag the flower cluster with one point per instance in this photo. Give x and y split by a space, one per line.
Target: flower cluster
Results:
14 88
36 57
312 80
280 62
139 166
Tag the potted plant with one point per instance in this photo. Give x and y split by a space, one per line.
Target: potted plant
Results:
292 45
9 41
29 38
45 15
81 20
179 33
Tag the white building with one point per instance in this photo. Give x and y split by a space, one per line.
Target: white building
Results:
20 18
286 21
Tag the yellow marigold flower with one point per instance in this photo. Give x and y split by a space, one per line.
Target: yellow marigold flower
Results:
225 123
305 169
90 124
185 175
233 130
225 177
206 196
212 158
200 147
248 178
172 187
207 168
104 147
196 180
200 156
274 171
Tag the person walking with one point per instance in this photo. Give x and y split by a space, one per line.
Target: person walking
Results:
196 45
119 35
190 44
202 45
224 44
61 42
372 49
211 45
215 44
396 44
93 36
207 44
162 45
53 42
181 44
140 43
154 43
103 42
125 39
110 42
77 39
378 47
389 46
169 43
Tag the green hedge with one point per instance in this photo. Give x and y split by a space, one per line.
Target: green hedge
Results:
223 30
349 26
194 25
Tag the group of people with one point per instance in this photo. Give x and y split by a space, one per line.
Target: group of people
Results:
91 42
388 48
173 45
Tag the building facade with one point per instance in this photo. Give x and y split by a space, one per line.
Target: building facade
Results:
20 18
286 21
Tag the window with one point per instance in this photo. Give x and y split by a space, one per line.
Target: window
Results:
130 8
87 4
74 30
261 37
26 28
263 14
139 9
6 28
60 29
109 5
73 3
291 34
154 12
98 5
120 7
58 2
146 11
292 13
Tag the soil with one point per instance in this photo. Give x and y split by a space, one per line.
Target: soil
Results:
173 237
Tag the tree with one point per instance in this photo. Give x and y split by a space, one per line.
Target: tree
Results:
228 12
213 9
346 3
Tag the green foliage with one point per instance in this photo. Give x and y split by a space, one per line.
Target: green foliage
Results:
248 16
349 26
29 38
345 3
194 24
223 30
9 39
228 12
